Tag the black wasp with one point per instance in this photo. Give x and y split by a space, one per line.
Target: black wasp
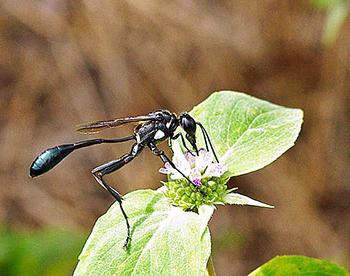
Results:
154 128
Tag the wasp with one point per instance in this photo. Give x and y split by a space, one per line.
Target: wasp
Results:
153 128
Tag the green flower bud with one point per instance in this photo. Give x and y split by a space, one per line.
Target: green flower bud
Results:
188 191
183 194
193 196
211 184
180 191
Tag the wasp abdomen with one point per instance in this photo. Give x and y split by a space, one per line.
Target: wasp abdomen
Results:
49 158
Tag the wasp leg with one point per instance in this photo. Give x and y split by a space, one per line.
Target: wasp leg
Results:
165 159
182 140
206 137
110 167
170 144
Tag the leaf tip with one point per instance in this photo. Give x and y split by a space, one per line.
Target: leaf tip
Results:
238 199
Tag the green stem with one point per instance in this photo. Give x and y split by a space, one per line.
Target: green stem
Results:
210 267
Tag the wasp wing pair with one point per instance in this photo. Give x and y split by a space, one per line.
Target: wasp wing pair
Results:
98 126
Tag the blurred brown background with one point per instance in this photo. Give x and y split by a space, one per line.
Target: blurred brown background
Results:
63 63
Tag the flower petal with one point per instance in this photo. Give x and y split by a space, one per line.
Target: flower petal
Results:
192 165
195 176
191 158
215 170
181 163
168 169
197 182
164 171
203 160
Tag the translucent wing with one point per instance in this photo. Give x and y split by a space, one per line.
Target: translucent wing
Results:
101 125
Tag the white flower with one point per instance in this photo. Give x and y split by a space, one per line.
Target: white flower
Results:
193 166
201 170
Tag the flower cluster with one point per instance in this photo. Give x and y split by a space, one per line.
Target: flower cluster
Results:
208 181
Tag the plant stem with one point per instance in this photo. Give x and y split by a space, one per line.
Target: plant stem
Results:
210 267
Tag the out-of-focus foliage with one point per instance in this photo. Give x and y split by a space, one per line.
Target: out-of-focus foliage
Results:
229 240
299 266
338 10
44 252
322 4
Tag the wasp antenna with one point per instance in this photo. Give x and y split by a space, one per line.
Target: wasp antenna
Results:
206 136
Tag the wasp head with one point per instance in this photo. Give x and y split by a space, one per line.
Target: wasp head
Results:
189 126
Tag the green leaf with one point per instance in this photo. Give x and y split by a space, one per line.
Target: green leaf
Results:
165 239
299 265
247 133
238 199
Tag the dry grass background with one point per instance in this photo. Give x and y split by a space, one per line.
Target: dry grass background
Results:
63 63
